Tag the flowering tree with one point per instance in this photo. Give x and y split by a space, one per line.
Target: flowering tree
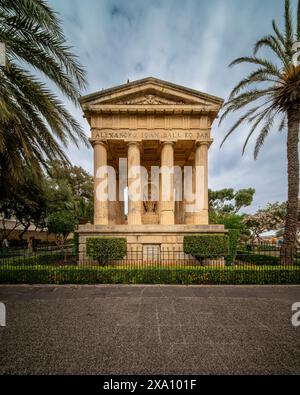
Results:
270 218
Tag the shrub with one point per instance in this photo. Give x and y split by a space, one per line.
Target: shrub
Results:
206 245
36 259
266 247
233 238
165 275
17 243
105 249
257 259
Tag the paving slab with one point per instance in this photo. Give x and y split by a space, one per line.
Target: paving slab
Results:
115 329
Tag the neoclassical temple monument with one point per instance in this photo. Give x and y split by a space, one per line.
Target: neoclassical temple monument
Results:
150 123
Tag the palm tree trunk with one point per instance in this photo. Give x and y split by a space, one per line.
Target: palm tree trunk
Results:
290 232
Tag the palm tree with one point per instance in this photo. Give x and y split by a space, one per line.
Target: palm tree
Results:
34 124
273 92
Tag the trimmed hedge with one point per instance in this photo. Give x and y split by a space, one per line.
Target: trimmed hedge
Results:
105 249
258 259
233 238
36 259
206 245
117 275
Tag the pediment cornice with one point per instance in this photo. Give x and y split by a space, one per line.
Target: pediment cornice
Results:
150 91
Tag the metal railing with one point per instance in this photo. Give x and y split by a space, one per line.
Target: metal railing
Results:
252 265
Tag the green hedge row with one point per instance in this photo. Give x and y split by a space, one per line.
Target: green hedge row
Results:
111 275
105 249
44 259
258 259
206 245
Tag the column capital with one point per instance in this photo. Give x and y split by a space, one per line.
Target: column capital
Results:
134 143
95 142
166 142
205 143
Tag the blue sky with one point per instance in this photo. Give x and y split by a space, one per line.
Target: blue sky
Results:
188 42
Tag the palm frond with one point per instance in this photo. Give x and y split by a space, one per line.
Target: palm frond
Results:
271 68
35 37
262 136
257 76
34 124
278 34
282 124
258 119
238 123
274 84
298 21
244 100
271 43
289 35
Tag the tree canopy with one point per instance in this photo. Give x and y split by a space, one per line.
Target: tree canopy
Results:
35 125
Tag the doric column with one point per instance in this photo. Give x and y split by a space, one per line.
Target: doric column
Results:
167 206
134 184
100 183
201 187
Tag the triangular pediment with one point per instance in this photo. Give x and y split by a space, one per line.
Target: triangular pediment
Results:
150 92
148 98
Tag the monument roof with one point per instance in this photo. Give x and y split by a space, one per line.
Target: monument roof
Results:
150 91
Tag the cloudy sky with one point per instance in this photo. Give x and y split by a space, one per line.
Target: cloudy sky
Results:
188 42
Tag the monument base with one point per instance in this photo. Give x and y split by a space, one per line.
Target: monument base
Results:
149 239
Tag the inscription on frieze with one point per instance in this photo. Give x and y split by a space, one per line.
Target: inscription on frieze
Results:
129 135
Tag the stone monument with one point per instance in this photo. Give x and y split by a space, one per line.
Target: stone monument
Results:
153 124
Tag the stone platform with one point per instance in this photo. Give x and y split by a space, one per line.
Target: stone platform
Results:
141 237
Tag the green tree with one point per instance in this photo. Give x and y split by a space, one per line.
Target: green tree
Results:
25 201
231 221
59 196
80 184
273 91
224 206
33 121
61 223
229 201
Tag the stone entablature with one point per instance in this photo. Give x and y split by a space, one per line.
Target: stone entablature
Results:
159 134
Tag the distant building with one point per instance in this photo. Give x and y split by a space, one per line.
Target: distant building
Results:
14 228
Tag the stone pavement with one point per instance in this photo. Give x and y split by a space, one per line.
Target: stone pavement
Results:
117 329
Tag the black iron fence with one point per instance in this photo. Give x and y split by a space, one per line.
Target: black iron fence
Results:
25 251
252 264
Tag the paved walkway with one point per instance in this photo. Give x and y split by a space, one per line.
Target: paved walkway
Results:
149 329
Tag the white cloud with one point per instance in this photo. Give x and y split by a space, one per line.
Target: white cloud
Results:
188 42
